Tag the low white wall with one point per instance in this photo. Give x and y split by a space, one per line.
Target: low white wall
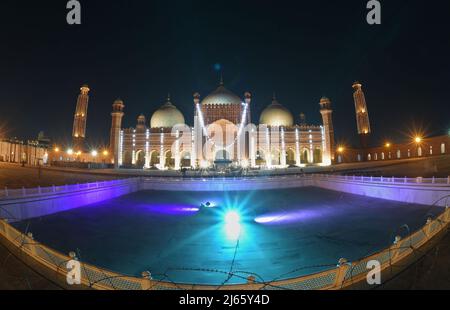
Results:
225 184
409 191
426 194
21 208
62 199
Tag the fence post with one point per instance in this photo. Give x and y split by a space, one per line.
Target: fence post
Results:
53 188
39 190
23 191
342 269
381 179
448 179
406 181
6 191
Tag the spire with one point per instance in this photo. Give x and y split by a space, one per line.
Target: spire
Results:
221 79
274 98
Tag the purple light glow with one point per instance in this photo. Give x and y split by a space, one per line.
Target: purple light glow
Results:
287 217
172 209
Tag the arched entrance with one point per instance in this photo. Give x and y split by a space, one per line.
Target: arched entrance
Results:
290 157
305 155
317 156
127 158
169 160
140 159
275 157
185 160
154 158
222 155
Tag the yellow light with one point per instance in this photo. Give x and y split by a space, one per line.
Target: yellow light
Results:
70 151
56 149
340 149
204 164
418 139
79 153
105 153
388 144
94 153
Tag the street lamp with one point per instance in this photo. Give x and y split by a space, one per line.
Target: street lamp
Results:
70 152
94 153
418 139
341 149
105 153
388 144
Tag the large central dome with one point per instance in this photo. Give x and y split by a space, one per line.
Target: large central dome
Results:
221 96
166 116
276 115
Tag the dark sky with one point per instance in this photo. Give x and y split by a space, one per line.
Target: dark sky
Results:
141 50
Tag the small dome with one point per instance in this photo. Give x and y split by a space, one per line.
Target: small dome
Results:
166 116
221 96
276 115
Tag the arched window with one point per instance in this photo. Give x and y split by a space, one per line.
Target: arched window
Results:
399 154
382 155
369 157
409 153
359 157
443 148
419 151
339 159
376 156
390 155
431 150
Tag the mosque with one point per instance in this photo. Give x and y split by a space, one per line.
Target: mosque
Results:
222 133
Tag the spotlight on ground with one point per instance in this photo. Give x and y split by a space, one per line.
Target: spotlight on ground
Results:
232 217
232 225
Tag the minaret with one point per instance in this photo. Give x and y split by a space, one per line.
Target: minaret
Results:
328 130
116 127
302 119
362 115
79 123
140 126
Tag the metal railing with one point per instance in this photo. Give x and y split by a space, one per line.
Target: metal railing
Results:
7 193
343 275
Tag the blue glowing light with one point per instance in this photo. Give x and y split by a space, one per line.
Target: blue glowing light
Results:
232 225
232 217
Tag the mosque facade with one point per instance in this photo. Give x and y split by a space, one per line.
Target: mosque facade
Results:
222 133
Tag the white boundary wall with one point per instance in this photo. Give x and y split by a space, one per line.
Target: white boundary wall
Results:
16 205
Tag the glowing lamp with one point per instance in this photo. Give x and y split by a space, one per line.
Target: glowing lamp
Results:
70 152
94 153
56 149
340 149
204 164
388 144
232 217
105 153
418 139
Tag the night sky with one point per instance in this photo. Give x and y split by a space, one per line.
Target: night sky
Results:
142 50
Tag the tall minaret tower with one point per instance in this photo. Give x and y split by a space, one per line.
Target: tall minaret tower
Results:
79 123
116 127
328 130
362 115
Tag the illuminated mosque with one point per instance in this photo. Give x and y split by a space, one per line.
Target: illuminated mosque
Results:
277 142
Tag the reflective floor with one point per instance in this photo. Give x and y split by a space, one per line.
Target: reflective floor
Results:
275 234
